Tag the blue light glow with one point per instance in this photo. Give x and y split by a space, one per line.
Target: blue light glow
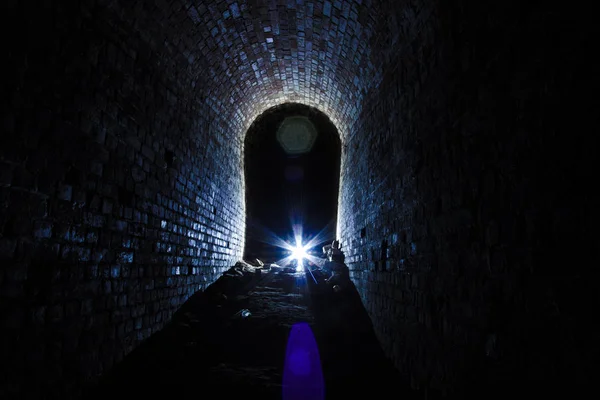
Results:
302 373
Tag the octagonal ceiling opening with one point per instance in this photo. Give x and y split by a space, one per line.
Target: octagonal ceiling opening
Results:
296 135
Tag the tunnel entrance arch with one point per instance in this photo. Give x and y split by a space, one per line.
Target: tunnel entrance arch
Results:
292 158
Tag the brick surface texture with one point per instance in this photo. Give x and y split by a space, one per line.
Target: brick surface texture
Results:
121 176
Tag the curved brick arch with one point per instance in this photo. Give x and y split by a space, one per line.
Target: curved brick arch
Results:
121 192
293 108
253 55
261 133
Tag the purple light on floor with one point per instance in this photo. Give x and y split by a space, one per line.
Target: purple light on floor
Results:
302 373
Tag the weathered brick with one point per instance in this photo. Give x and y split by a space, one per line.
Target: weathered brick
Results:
448 114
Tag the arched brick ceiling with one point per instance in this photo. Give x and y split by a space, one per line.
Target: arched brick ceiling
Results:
255 54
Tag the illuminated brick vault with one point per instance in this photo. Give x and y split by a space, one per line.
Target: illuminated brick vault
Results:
122 183
245 57
138 115
233 60
259 54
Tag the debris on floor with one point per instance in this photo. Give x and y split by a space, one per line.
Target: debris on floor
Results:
243 313
231 340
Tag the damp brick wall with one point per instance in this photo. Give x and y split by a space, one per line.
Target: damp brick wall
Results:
464 206
117 202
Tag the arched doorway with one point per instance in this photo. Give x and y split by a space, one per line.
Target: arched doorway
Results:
292 156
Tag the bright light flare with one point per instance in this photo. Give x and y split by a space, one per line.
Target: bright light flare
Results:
297 251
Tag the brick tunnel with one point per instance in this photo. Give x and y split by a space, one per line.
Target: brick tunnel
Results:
465 187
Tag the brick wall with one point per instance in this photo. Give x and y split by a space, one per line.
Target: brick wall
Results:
121 187
120 196
465 211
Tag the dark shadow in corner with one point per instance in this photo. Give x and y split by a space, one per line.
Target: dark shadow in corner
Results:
185 357
353 361
178 357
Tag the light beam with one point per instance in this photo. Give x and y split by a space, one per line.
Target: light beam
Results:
297 251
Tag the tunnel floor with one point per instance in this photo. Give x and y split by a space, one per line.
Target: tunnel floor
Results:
209 350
